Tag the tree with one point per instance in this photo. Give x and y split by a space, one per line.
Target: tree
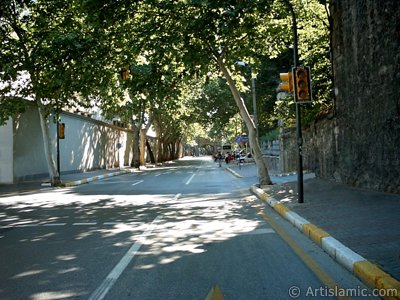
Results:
313 22
68 54
201 35
212 106
72 53
47 44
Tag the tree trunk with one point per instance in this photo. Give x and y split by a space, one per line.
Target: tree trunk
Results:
151 154
143 141
142 145
179 149
253 136
51 165
135 147
158 147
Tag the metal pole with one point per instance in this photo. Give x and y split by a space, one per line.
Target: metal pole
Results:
253 87
300 158
300 190
58 178
58 149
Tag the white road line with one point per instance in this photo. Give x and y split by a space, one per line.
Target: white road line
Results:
140 181
190 179
112 223
84 224
177 196
158 174
111 278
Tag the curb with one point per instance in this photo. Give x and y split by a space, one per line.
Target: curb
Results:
366 271
90 179
234 173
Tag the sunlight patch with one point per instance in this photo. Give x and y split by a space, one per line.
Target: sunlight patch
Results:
69 270
28 273
66 257
55 295
192 248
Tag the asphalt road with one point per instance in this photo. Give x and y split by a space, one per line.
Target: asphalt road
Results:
165 233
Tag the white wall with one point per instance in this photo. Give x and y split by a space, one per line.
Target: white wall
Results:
88 144
6 152
29 158
91 144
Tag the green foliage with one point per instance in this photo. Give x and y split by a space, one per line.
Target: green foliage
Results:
11 107
73 52
314 51
271 135
213 107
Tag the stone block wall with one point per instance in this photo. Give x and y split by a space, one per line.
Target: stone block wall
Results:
366 43
360 144
320 149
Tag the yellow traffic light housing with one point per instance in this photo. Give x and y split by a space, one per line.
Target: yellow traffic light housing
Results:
287 82
302 84
125 73
61 131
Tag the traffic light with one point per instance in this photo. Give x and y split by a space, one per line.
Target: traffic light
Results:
287 82
125 73
302 84
61 131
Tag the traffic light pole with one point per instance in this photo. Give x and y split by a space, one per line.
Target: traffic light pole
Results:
300 190
58 149
58 178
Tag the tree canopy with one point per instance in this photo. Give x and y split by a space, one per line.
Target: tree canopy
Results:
181 55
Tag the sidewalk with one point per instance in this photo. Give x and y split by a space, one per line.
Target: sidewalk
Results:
66 180
338 216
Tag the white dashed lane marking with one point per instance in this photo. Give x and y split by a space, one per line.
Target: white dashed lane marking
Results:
139 181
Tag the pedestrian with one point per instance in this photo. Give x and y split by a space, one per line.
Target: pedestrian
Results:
227 158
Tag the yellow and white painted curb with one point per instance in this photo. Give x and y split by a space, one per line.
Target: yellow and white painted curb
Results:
368 272
90 179
234 173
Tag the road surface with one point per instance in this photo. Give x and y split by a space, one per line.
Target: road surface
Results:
173 232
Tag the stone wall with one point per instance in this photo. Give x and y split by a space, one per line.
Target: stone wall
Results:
366 43
320 148
360 144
